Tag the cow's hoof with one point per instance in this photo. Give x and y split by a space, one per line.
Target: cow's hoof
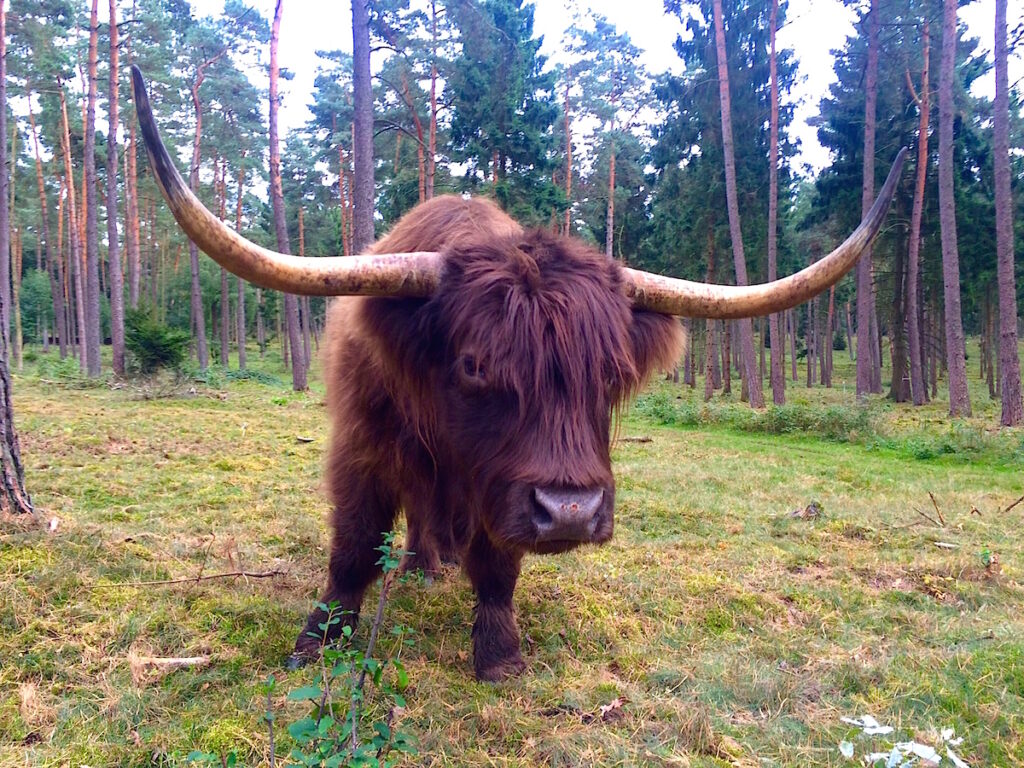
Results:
298 660
502 670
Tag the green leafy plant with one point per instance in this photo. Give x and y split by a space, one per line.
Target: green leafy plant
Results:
354 697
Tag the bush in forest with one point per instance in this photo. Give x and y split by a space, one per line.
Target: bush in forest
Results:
151 344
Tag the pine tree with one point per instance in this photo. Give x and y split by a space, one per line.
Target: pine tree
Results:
959 399
1009 360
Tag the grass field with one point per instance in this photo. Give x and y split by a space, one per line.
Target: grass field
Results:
716 629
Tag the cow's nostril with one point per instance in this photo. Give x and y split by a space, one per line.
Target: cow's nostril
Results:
566 513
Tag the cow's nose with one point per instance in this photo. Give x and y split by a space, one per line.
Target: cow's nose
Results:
566 514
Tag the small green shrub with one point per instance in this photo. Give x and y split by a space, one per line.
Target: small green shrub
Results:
152 346
353 696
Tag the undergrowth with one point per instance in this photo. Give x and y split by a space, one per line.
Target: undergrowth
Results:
868 425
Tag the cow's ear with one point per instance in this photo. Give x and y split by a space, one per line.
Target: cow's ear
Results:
658 342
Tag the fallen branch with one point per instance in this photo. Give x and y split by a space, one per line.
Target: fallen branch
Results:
142 666
194 579
640 439
937 510
929 518
1018 501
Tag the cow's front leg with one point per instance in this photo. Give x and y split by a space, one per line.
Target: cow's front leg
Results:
493 573
360 519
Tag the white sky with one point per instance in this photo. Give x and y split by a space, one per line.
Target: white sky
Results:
813 30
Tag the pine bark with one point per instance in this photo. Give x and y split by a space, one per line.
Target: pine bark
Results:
362 231
777 375
291 304
74 243
865 291
5 223
225 304
609 224
746 331
918 386
959 399
432 147
196 304
54 267
113 240
92 237
131 212
240 302
1009 359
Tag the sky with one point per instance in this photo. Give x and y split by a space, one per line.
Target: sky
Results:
813 29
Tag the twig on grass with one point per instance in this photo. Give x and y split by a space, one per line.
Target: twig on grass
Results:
1018 501
937 510
929 518
200 577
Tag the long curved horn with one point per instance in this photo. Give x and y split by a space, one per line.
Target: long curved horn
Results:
385 274
689 299
418 274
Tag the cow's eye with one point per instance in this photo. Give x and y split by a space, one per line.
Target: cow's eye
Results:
471 372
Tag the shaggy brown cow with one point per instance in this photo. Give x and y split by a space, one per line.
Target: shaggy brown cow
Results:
473 383
482 412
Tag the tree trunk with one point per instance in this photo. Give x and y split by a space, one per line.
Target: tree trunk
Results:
709 360
432 146
240 302
225 303
14 499
306 318
198 314
261 329
726 357
5 223
113 245
131 212
811 343
899 391
54 267
865 293
777 376
16 259
918 386
751 377
291 304
794 373
363 128
567 229
826 366
609 223
1009 358
959 400
92 237
75 254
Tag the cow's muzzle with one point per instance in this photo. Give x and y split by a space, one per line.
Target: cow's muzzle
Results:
568 514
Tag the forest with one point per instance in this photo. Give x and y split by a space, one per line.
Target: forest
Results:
596 146
817 510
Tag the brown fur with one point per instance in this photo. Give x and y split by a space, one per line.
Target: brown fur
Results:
455 408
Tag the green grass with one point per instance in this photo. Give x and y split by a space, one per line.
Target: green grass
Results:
731 632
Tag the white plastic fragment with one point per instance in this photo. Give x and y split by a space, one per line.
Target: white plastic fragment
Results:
54 522
956 760
947 736
868 725
846 749
923 751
